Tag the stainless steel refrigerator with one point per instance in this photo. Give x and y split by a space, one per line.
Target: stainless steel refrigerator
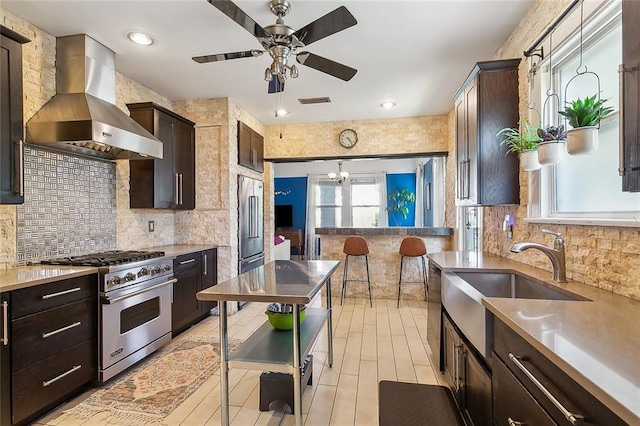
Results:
250 224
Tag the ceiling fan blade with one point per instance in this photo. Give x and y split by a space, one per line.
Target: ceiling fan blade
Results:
275 85
331 23
234 12
226 56
325 65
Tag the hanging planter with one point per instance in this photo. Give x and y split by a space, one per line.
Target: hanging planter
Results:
550 152
529 160
583 140
584 116
551 147
523 142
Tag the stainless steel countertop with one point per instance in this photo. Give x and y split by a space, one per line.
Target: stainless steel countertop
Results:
596 343
285 281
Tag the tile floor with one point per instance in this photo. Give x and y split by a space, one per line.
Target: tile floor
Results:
370 344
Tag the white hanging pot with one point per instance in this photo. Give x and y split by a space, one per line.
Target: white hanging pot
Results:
529 160
550 152
583 140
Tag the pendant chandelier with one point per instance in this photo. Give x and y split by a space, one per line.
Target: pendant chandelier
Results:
340 176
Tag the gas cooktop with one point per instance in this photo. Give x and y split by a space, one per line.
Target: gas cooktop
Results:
105 258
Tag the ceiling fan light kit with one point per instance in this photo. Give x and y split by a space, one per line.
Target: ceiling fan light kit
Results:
282 42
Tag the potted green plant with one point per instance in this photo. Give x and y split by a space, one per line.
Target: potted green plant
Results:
551 146
584 117
399 201
524 142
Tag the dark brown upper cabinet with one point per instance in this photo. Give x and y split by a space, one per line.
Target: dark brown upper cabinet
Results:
486 103
630 94
169 183
250 148
11 124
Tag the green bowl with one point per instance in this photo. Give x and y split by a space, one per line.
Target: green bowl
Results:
283 321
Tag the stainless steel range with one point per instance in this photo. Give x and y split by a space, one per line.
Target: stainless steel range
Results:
136 291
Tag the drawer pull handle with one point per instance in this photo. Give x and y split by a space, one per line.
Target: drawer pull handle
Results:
60 330
5 323
512 422
184 262
575 419
60 293
55 379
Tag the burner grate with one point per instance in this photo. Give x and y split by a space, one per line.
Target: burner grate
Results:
106 258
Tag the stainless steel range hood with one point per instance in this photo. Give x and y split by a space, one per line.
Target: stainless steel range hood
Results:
82 117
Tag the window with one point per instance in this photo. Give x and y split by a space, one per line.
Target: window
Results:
365 203
586 186
328 204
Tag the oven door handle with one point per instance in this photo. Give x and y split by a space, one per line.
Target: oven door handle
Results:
144 290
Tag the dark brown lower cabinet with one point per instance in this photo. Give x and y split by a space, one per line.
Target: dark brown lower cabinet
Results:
466 375
54 346
567 392
5 360
512 404
194 272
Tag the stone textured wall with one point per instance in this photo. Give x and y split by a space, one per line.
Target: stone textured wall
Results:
384 266
39 82
604 257
375 137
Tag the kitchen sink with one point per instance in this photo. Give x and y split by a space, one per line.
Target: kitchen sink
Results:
462 294
514 286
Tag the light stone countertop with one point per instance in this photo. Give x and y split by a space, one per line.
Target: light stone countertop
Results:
18 277
597 342
26 276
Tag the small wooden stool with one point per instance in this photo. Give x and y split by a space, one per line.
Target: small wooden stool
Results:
355 246
413 247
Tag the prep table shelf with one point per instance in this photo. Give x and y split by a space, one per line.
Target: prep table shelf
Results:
270 349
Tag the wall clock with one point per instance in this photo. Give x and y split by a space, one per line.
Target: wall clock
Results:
348 138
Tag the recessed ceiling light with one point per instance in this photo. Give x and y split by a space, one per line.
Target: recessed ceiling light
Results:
281 112
388 105
140 38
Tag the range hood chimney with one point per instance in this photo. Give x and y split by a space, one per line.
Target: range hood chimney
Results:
82 117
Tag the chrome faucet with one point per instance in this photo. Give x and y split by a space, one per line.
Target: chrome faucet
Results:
555 254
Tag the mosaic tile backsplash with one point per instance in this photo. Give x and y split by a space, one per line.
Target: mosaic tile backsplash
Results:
69 207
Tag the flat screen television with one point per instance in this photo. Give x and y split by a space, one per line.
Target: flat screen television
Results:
284 216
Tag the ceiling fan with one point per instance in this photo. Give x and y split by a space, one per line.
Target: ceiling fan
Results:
282 42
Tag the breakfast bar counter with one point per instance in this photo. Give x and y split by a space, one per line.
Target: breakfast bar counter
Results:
283 281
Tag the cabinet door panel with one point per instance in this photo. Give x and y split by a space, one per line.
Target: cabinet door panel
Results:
11 125
42 384
257 146
209 277
186 308
5 361
244 145
512 401
184 164
47 333
165 182
451 355
476 392
471 95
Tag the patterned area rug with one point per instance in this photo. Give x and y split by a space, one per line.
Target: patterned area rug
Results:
152 390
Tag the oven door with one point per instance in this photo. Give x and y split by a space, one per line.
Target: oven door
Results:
135 322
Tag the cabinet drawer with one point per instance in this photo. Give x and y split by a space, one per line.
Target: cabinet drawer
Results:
187 263
40 335
568 393
52 379
46 296
512 401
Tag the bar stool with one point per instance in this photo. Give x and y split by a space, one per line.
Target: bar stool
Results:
355 246
413 247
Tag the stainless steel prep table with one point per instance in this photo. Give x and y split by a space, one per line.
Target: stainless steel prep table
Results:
284 281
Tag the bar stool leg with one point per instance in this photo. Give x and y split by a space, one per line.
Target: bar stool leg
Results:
366 260
400 280
424 277
344 278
